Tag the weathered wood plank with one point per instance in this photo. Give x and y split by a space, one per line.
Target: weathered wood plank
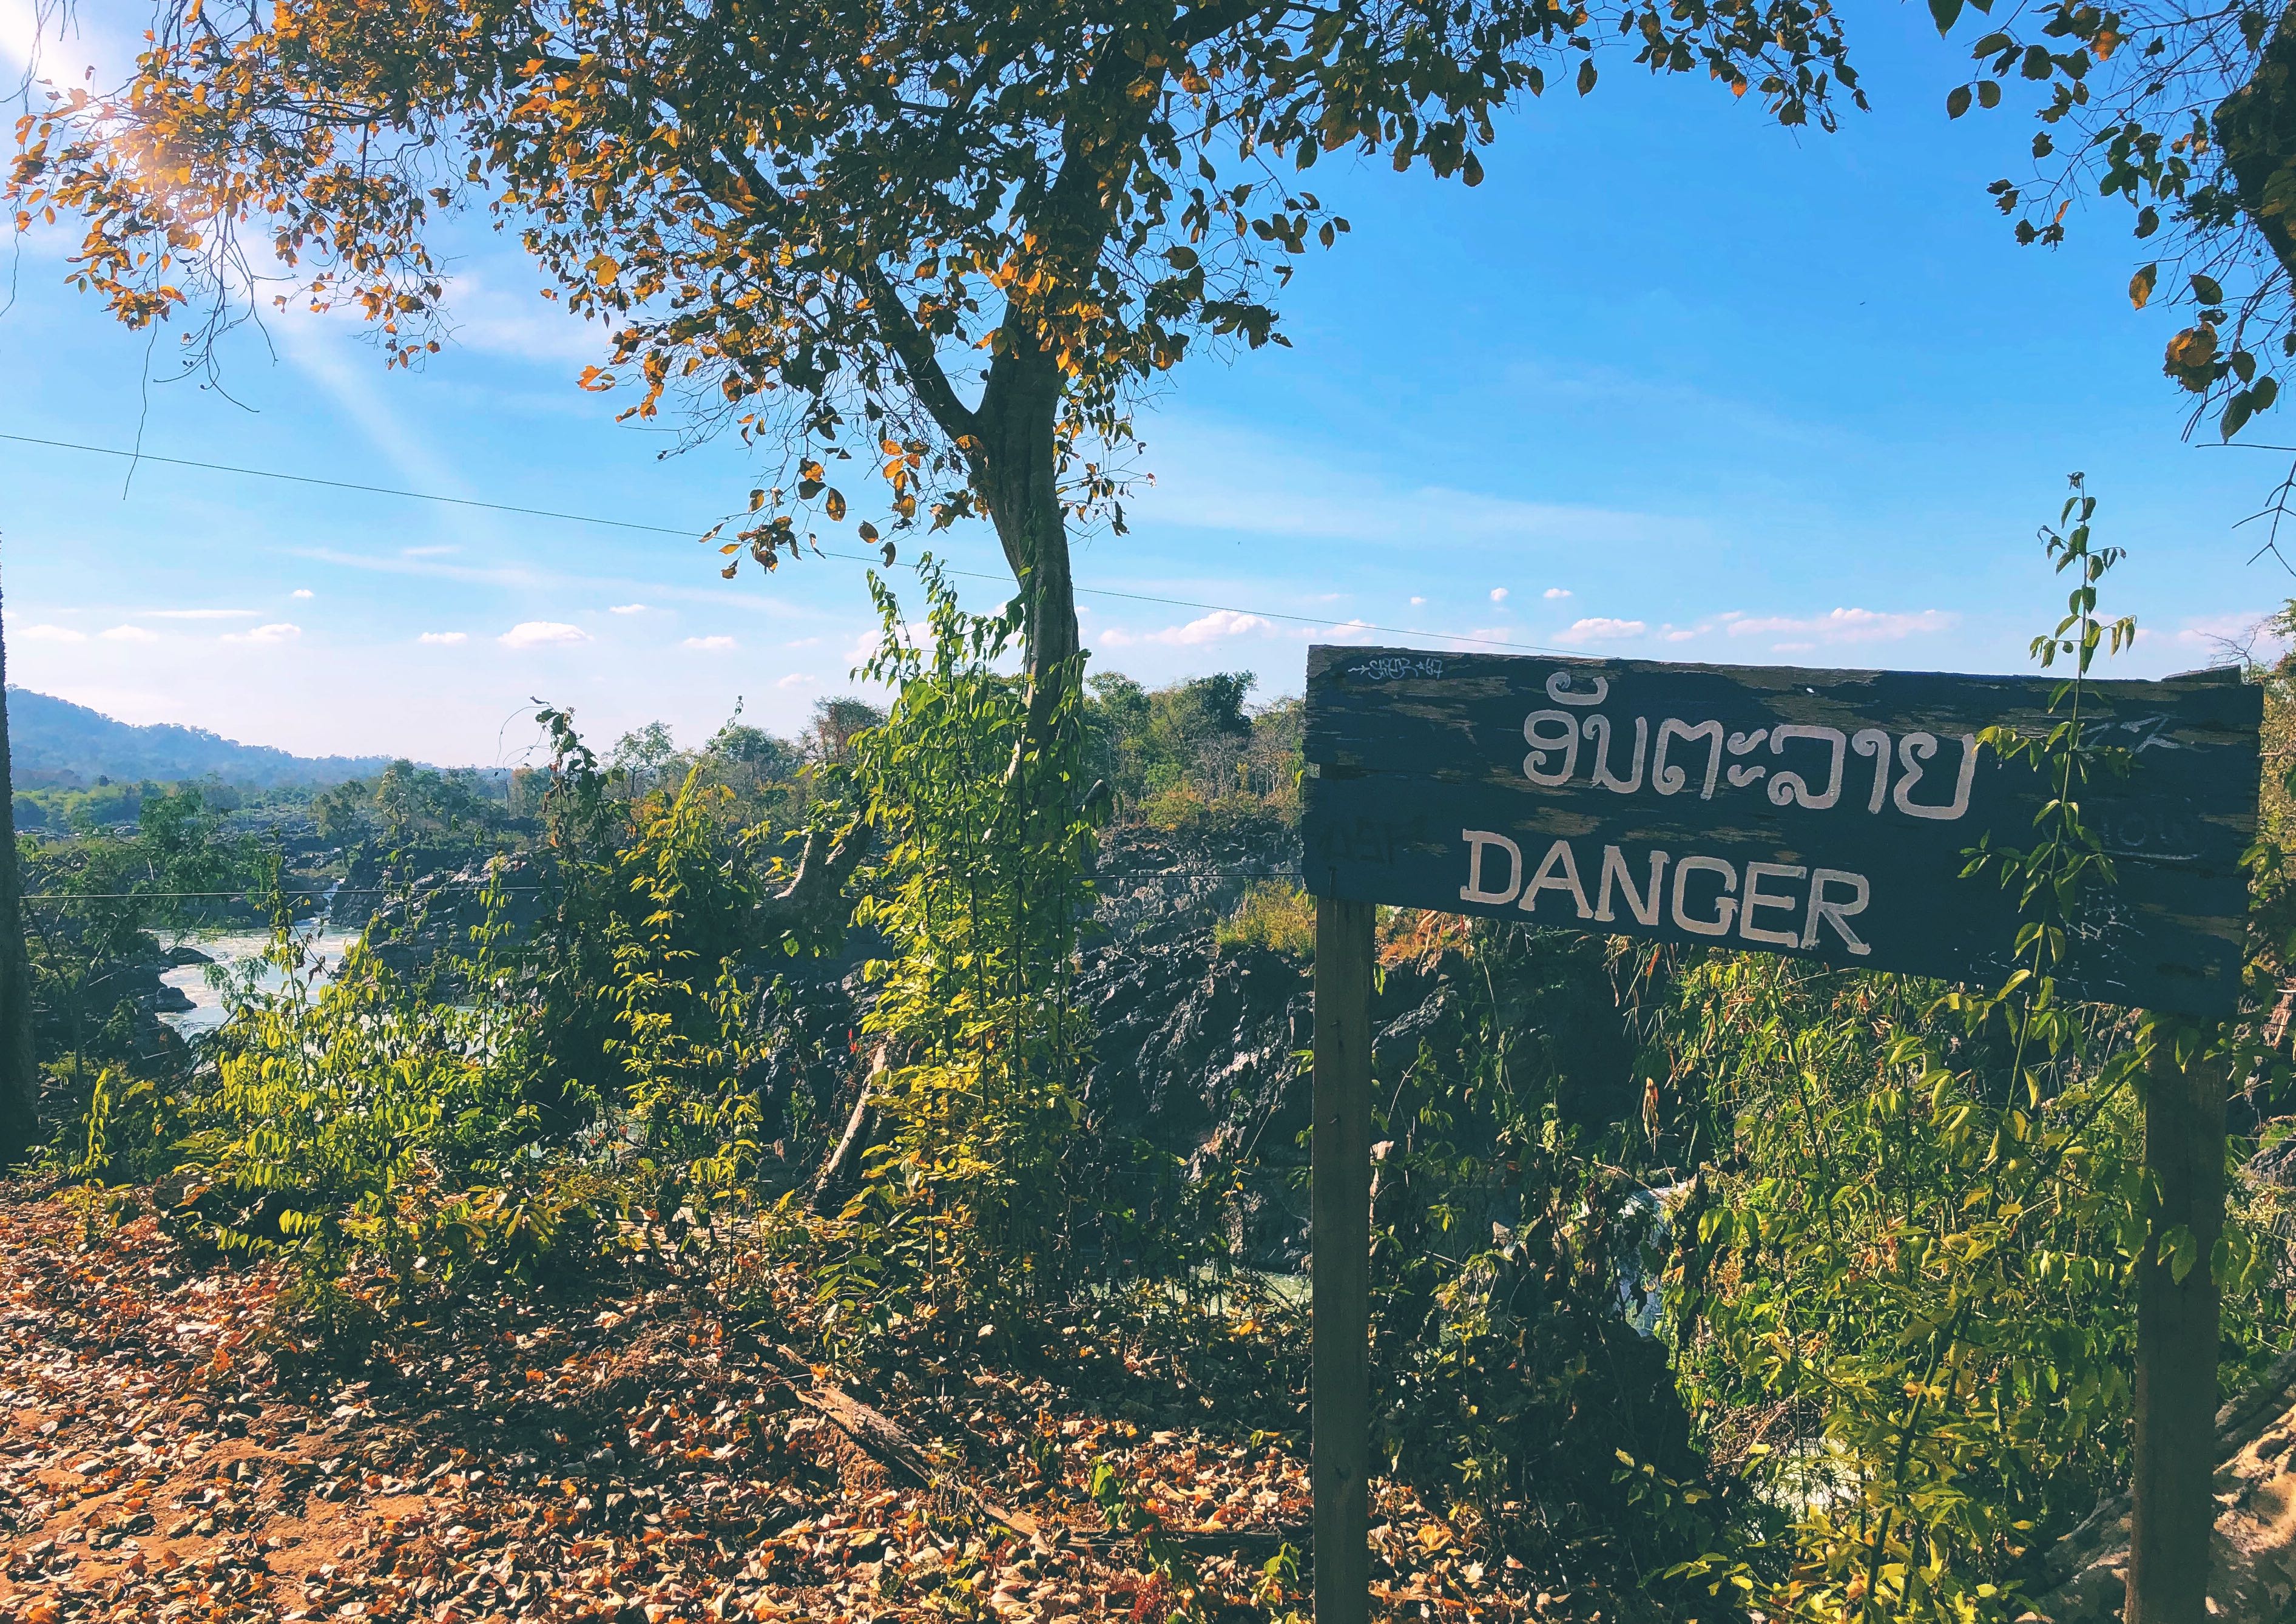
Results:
1828 814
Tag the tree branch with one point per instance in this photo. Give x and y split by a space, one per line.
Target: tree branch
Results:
813 895
915 347
911 345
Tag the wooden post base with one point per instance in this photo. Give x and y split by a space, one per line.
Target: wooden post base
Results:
2173 1514
1339 1284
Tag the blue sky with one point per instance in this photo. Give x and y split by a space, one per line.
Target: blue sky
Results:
1742 394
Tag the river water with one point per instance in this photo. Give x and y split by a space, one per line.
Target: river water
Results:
233 951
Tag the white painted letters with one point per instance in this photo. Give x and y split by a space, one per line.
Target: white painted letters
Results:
1755 899
1726 905
1916 748
1558 871
1562 689
1836 913
1872 741
1473 890
1598 728
1550 734
1668 779
1644 908
1554 736
1791 786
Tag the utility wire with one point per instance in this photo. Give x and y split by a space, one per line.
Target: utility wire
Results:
857 558
372 491
479 885
354 890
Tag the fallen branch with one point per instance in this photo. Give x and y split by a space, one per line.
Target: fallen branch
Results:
908 1460
841 1169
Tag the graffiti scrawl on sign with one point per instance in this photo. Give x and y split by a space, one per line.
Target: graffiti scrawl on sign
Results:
1828 814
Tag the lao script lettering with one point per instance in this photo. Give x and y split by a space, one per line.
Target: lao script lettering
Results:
1805 766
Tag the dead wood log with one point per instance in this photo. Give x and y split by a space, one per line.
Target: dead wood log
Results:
815 894
908 1460
841 1170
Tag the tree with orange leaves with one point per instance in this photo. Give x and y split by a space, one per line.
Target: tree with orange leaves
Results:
943 241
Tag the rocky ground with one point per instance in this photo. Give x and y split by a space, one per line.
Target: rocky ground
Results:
639 1455
1199 1046
2253 1577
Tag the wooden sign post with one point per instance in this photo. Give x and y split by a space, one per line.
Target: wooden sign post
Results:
1822 815
1340 1291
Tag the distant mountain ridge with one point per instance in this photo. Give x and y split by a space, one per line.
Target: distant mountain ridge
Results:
55 742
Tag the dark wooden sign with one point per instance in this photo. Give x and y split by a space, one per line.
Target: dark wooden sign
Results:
1828 814
1825 813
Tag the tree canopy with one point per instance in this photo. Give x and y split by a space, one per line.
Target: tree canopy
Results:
2188 114
942 241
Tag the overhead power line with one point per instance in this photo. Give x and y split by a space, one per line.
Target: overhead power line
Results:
420 891
372 490
857 558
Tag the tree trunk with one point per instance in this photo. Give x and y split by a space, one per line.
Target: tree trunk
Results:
1019 472
20 1077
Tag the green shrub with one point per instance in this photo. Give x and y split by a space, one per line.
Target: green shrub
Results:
1905 1299
1190 813
374 1131
979 889
684 1021
1509 1373
1275 915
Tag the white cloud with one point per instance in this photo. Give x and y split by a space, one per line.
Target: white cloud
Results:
507 574
1841 625
1553 593
1217 475
1499 594
1206 629
1349 631
300 592
1492 634
714 644
130 634
196 614
1419 603
916 634
279 631
437 551
1792 648
520 576
444 639
543 635
2224 637
805 643
47 634
519 322
627 608
795 679
1679 633
1595 628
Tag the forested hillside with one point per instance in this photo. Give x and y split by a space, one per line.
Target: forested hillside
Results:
54 742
